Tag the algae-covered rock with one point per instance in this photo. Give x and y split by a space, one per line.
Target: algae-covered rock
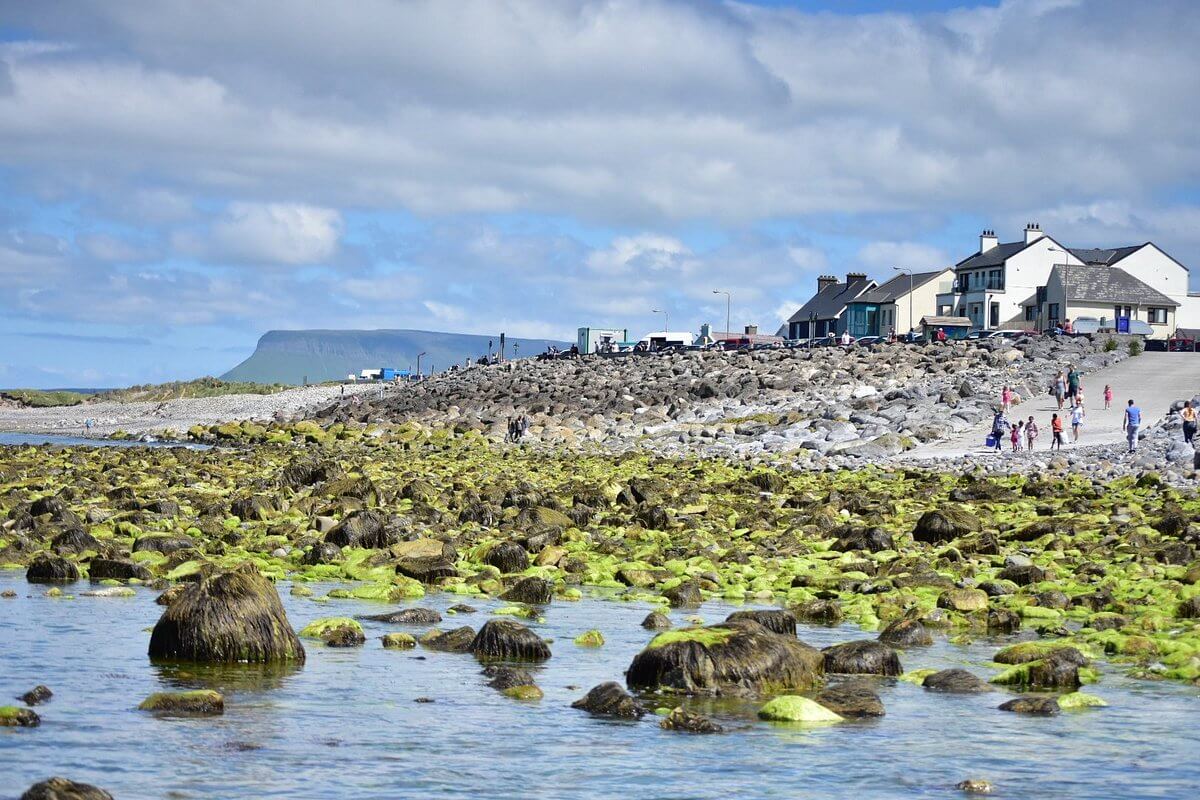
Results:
234 616
684 721
1078 700
723 658
335 631
523 692
862 657
852 699
906 632
50 568
119 569
1057 669
793 708
36 696
656 621
825 612
399 641
531 591
685 595
503 677
965 600
407 616
776 620
367 528
458 640
945 524
57 788
1035 705
507 557
592 638
955 681
203 702
610 700
506 640
17 717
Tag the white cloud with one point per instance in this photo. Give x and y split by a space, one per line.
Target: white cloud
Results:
270 233
883 256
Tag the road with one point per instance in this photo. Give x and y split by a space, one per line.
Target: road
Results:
1152 380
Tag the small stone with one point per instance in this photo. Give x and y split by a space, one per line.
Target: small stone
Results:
656 621
62 789
398 641
974 786
524 692
793 708
1038 706
680 720
592 638
36 695
201 702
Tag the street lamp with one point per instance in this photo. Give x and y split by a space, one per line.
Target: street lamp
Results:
666 319
910 291
419 365
728 304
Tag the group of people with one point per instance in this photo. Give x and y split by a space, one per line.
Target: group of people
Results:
518 426
1068 391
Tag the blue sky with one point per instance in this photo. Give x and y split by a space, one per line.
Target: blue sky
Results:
176 179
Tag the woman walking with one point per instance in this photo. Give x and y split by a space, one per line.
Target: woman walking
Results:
1000 427
1031 433
1189 421
1060 388
1076 423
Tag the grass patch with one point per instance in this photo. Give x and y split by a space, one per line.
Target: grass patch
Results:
200 387
40 398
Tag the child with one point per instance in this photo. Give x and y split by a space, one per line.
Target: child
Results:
1017 430
1107 396
1005 399
1056 427
1079 397
1031 433
1076 422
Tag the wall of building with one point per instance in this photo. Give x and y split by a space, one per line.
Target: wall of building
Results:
1157 270
924 303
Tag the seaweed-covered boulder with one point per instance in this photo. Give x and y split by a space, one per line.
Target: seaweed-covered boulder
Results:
366 528
49 568
75 540
776 620
229 617
945 524
610 700
1037 705
732 657
17 717
503 677
171 594
1024 652
685 721
321 553
166 544
964 600
458 640
872 539
254 507
53 505
862 657
1023 574
1001 620
426 569
906 632
656 621
119 569
955 681
531 591
36 696
335 631
301 474
793 708
62 789
407 616
685 595
507 557
1057 669
853 699
202 702
506 640
825 612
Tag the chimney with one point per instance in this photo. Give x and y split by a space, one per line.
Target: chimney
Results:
1033 232
706 331
987 240
825 281
855 277
752 330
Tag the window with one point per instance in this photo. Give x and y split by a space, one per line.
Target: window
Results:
1123 311
995 279
994 315
1053 312
1030 313
1156 316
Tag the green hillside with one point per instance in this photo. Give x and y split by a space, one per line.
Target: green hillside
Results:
320 355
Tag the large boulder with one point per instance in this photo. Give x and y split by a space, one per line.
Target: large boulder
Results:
853 699
776 620
955 681
610 700
234 616
63 789
906 632
365 528
945 524
506 640
531 591
458 640
862 657
507 557
49 568
75 540
119 569
732 657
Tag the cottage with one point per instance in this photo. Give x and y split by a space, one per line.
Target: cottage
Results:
1110 295
825 312
892 306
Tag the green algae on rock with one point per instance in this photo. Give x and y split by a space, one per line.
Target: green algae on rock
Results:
201 702
793 708
592 638
15 716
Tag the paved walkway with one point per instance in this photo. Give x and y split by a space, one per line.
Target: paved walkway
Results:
1152 380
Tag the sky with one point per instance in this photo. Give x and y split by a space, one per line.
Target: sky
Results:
177 178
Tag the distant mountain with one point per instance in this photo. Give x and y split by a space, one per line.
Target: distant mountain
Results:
293 356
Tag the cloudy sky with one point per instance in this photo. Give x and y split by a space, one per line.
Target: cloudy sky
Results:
178 177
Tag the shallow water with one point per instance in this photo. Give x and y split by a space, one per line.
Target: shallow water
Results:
68 441
345 724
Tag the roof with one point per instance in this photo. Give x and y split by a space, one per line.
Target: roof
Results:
897 287
829 302
1106 256
1094 283
996 256
946 322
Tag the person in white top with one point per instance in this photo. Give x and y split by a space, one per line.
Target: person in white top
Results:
845 338
1076 422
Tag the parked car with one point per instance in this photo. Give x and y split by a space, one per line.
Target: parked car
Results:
1179 344
1009 334
868 340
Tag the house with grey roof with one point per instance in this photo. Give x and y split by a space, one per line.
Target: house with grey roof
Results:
825 312
897 305
1107 294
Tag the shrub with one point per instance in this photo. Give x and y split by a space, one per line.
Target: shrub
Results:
1110 344
1135 347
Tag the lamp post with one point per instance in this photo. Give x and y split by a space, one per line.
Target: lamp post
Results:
728 305
419 365
666 319
910 291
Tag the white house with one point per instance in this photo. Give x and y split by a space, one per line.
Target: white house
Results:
1007 285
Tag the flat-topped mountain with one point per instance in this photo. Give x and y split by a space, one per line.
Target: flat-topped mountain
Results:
321 355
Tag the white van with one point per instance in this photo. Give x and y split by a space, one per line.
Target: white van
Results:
665 339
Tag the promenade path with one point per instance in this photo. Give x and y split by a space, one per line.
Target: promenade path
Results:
1152 380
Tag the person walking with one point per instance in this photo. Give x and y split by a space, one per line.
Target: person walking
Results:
999 429
1060 388
1108 394
1076 423
1005 398
1072 381
1130 424
1079 396
1031 433
1056 428
1018 431
1189 421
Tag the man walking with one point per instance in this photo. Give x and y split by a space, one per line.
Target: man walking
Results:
1131 423
1072 383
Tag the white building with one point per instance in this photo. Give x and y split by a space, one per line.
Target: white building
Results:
1007 285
